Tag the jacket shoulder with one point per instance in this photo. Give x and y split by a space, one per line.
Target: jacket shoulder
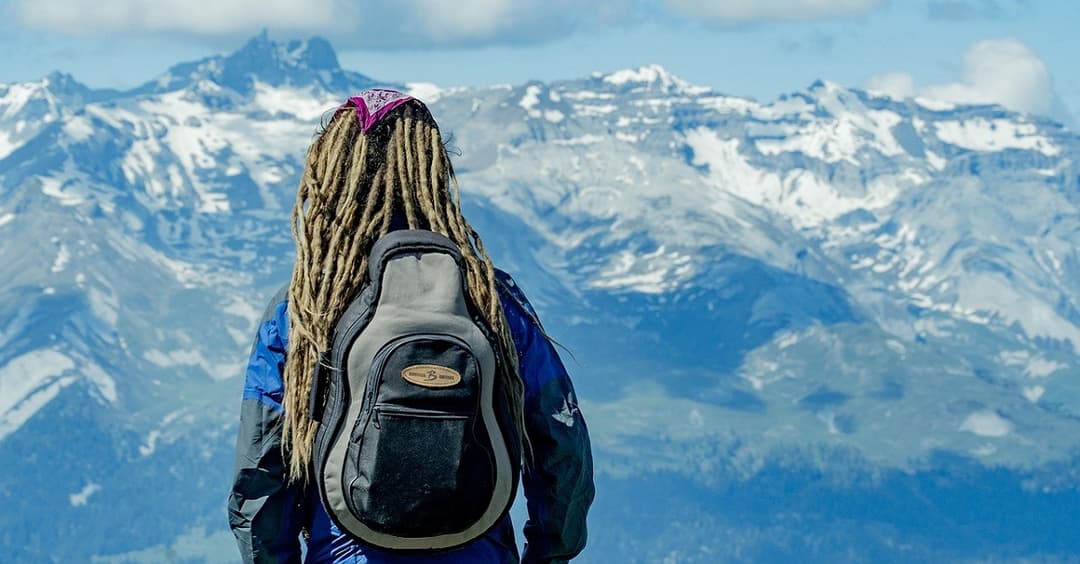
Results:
510 291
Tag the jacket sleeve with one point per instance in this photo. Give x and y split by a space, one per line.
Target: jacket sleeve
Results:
558 482
264 511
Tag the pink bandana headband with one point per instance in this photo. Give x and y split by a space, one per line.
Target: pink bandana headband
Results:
372 105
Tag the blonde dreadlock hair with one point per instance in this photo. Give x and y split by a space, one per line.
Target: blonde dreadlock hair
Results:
353 184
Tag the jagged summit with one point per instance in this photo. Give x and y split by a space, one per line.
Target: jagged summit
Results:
264 57
651 76
47 94
63 83
299 63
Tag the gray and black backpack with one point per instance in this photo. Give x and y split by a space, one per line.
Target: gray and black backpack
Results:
416 449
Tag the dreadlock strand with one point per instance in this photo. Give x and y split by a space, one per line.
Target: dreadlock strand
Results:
334 262
426 182
439 187
413 153
397 152
363 230
386 213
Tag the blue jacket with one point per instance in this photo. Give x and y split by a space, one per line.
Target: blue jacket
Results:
267 515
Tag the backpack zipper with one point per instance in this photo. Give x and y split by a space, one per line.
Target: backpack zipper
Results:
392 409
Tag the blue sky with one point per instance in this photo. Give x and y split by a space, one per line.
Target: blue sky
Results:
1020 53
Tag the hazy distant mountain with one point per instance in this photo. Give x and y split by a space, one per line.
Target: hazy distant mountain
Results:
833 327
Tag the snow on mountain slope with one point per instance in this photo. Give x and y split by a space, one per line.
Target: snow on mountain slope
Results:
826 169
834 280
24 109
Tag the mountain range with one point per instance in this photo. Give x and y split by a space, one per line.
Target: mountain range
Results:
837 326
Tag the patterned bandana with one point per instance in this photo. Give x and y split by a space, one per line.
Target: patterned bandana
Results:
373 104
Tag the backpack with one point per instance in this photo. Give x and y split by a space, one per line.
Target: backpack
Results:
416 449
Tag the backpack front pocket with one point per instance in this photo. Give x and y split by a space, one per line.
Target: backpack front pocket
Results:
420 471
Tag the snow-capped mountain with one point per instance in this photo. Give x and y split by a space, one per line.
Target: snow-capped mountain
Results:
837 326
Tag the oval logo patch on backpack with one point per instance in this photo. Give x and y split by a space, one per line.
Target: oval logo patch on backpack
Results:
431 375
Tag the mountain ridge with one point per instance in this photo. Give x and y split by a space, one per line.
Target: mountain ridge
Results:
301 63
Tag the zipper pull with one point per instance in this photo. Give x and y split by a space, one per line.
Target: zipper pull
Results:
375 419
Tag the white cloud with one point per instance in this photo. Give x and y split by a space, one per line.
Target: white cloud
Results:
1004 71
895 84
987 424
996 71
470 22
740 11
189 16
369 23
403 24
468 18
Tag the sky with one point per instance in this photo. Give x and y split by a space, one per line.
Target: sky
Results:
1019 53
